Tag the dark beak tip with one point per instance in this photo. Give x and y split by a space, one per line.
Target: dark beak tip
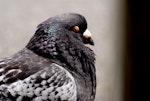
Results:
89 41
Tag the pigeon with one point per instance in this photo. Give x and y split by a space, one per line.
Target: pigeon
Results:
55 65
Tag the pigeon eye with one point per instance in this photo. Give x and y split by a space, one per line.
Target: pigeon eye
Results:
76 29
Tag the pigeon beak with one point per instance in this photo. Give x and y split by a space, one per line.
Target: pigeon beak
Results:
87 37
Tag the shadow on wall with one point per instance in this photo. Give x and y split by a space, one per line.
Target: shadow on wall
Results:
137 71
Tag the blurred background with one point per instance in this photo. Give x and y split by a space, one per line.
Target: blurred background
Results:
120 29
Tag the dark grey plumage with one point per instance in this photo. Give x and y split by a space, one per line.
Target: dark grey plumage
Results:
54 66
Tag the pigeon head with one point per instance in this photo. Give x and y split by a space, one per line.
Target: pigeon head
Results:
71 23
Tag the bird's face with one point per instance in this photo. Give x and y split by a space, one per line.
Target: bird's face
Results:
78 25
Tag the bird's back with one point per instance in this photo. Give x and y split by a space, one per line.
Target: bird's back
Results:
29 77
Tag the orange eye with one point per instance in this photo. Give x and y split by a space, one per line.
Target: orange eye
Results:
76 29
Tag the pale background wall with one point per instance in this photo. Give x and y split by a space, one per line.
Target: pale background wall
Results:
19 18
